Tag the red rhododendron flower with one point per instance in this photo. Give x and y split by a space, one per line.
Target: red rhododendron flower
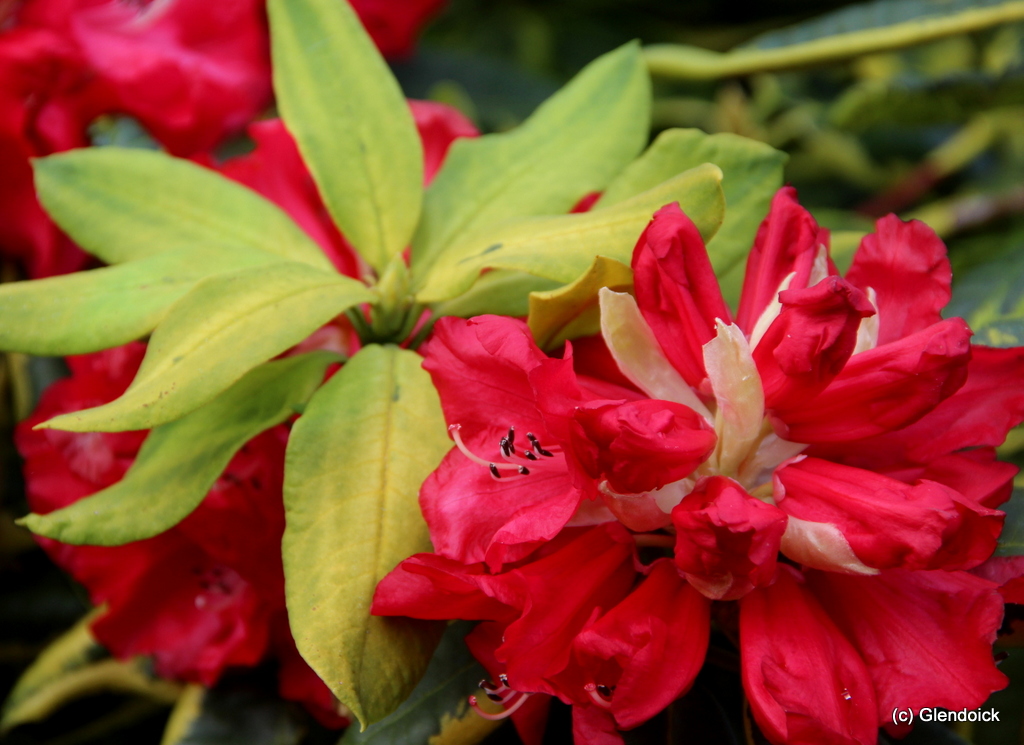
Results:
853 436
205 595
394 25
190 71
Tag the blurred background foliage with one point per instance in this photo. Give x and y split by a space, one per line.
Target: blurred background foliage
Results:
933 131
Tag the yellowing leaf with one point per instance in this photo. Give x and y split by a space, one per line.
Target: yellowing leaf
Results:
752 173
222 328
180 461
356 459
563 247
351 121
573 310
74 666
103 308
572 145
124 203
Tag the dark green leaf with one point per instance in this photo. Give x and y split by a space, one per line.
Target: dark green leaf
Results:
232 716
440 699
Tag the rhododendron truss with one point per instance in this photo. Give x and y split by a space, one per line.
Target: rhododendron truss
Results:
250 283
816 473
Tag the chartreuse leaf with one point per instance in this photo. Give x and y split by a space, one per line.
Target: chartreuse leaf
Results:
351 121
229 715
573 144
222 328
73 666
355 462
180 461
856 30
102 308
573 310
563 247
502 291
124 203
438 708
752 173
990 297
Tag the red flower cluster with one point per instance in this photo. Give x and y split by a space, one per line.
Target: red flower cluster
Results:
208 594
825 458
190 71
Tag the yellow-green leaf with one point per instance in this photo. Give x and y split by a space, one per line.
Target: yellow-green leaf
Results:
124 203
355 462
180 461
351 121
573 310
563 247
102 308
504 292
572 145
752 173
856 30
74 666
222 328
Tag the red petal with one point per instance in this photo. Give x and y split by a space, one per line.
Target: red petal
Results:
806 683
592 725
926 636
480 368
640 446
429 586
906 265
884 388
787 241
979 414
657 636
886 522
806 347
439 126
557 595
473 517
1008 573
726 540
677 291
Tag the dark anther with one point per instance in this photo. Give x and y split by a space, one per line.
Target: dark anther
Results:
494 470
529 455
503 678
486 684
524 471
512 438
506 448
494 697
536 445
605 691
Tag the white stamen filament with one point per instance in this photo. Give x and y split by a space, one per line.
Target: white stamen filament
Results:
502 714
454 430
